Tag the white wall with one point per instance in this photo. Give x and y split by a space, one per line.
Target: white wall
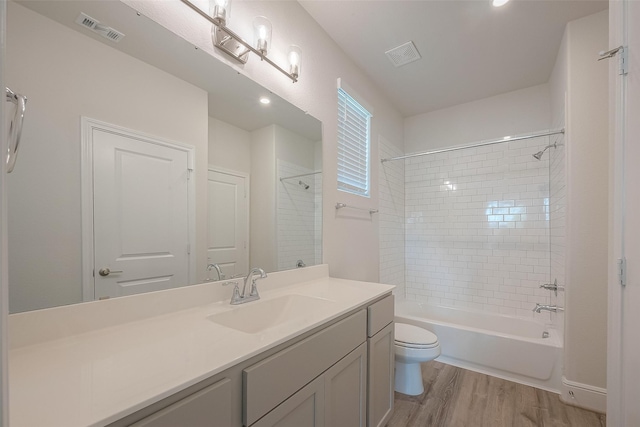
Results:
263 248
294 148
229 146
350 245
517 112
587 197
65 76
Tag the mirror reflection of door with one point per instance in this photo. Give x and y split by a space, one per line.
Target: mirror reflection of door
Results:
140 214
228 222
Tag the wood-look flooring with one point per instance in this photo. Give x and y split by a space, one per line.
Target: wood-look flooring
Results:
457 397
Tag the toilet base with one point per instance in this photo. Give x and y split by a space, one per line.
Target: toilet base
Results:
409 379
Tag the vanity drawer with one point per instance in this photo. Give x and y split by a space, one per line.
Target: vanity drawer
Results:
273 380
207 408
380 315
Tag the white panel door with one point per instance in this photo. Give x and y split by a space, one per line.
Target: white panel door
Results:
631 293
4 282
623 357
228 222
141 227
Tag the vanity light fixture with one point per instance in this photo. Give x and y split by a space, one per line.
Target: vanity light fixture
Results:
236 47
498 3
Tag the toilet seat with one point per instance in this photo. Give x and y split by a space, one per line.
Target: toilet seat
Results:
410 336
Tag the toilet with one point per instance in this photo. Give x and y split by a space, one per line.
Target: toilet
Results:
413 346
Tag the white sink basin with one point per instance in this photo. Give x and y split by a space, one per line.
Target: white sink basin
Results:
255 317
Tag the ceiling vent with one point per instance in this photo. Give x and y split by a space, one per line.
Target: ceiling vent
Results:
94 25
403 54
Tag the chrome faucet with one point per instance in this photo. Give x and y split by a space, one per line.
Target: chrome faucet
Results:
254 289
242 297
545 307
217 268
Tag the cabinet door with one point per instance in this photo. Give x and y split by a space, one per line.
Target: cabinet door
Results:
345 390
381 377
209 407
274 379
304 409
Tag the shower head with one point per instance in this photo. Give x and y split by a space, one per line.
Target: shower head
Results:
539 154
303 185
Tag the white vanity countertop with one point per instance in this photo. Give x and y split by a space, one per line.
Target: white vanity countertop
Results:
100 376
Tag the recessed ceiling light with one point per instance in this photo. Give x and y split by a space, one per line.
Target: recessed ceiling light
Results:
264 100
498 3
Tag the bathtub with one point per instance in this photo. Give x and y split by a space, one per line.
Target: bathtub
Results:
507 347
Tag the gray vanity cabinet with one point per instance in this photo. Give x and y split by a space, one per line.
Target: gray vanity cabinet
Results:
381 356
271 381
337 398
345 390
214 402
323 378
303 409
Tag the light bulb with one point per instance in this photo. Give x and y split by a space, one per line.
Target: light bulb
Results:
262 34
498 3
295 61
220 10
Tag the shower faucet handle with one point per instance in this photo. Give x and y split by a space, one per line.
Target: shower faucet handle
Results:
553 286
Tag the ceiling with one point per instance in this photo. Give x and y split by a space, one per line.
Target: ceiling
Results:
470 50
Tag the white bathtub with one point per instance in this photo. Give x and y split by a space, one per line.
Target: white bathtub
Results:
503 346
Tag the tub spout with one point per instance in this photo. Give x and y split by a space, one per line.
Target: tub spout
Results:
545 307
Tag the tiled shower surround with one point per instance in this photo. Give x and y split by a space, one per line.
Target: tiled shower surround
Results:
477 227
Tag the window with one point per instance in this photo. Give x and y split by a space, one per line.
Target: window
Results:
354 123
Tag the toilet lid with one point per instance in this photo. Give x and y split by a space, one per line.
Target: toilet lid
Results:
413 336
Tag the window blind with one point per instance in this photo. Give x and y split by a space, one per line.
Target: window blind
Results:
353 145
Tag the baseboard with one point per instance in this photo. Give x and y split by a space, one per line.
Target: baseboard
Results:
583 395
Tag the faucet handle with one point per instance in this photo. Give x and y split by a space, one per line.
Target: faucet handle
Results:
254 289
236 291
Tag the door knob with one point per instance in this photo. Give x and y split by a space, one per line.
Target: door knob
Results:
106 271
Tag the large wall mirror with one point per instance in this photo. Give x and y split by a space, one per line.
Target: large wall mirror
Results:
144 161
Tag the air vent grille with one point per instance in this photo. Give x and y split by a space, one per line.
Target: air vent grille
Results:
109 33
403 54
86 21
94 25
